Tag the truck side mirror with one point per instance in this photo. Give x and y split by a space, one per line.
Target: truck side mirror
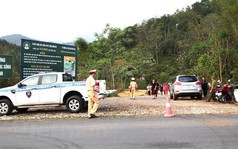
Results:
20 85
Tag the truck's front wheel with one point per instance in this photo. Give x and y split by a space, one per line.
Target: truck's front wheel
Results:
74 104
6 107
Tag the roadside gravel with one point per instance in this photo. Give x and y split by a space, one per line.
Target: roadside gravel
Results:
123 106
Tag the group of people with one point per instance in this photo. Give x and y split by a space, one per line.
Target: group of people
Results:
211 88
164 88
154 87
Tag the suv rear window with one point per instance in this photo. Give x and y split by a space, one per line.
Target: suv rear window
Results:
187 79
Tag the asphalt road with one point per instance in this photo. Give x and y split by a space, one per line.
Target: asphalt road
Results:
190 131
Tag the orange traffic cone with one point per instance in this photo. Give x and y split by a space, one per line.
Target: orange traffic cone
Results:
169 112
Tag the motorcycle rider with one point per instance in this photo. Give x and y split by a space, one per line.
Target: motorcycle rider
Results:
212 89
229 89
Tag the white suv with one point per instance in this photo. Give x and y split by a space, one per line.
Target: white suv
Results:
186 86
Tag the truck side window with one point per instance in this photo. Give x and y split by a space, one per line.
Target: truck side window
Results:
47 79
67 77
31 81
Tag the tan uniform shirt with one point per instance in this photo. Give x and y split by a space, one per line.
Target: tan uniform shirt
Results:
90 83
133 85
214 84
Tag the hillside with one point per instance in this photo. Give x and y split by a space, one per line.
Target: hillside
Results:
14 38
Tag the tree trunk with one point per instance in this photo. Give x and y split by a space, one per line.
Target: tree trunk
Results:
220 66
113 80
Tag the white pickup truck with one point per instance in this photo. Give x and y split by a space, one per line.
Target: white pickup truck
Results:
47 89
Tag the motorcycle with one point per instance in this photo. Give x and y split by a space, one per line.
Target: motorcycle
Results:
218 91
224 94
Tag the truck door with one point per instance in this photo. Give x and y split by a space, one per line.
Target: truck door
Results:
50 91
27 92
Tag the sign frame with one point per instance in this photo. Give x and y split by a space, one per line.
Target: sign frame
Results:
40 56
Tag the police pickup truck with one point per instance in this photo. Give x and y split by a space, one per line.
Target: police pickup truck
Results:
46 89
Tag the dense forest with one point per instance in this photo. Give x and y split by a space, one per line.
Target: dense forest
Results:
201 39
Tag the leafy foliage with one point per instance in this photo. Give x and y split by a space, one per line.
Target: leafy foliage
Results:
197 40
201 39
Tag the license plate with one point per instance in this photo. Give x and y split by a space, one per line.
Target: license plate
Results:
187 87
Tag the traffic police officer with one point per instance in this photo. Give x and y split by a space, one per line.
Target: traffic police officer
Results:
93 101
133 86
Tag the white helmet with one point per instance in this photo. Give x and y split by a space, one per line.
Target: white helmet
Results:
133 79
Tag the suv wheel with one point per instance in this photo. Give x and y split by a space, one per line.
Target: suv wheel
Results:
175 97
6 107
199 96
171 96
74 104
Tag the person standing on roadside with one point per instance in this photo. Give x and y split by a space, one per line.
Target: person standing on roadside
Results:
161 89
155 88
148 89
212 89
93 101
133 86
166 88
204 86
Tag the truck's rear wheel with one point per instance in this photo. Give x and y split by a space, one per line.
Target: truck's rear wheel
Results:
6 107
74 104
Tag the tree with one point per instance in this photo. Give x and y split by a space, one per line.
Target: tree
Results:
83 54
